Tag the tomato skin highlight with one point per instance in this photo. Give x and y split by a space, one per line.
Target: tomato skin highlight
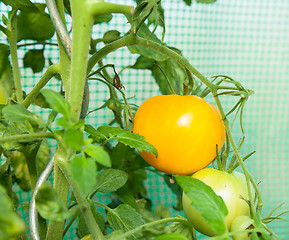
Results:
230 186
184 129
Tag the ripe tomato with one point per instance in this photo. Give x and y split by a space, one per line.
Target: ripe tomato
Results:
184 129
3 95
242 223
230 186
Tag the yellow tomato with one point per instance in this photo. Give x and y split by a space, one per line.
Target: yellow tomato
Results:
184 129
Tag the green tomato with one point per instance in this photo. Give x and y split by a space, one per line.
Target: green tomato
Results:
3 95
239 224
230 186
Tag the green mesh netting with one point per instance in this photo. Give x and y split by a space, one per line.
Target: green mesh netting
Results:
247 40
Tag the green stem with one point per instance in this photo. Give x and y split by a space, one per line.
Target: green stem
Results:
100 8
82 23
36 43
26 137
61 186
150 224
12 38
50 72
82 203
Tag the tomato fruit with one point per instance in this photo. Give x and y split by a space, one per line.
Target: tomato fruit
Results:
184 129
242 223
3 95
230 186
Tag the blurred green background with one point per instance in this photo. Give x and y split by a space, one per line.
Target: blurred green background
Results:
246 40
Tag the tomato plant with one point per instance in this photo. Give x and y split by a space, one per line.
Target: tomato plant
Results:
184 129
231 187
174 133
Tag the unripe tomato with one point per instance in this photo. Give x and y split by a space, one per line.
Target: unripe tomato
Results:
242 223
184 129
3 95
230 186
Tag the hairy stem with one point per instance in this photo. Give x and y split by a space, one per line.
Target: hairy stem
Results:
82 203
26 137
150 224
50 72
12 38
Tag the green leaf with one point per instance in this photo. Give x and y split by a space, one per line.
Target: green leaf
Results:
188 2
23 5
125 218
49 205
150 53
16 113
84 173
35 60
143 63
11 224
124 136
4 60
98 154
103 18
162 211
56 102
82 229
124 194
205 201
19 165
98 136
35 25
40 101
171 236
74 138
111 36
110 180
183 228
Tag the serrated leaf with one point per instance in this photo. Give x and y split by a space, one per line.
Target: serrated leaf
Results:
211 206
74 138
34 25
98 154
16 113
125 218
150 53
35 60
11 224
98 136
49 204
23 5
110 180
84 173
56 102
132 140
